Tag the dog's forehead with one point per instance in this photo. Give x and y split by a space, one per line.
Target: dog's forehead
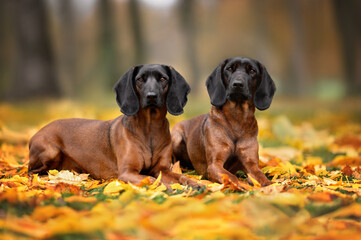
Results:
241 61
151 69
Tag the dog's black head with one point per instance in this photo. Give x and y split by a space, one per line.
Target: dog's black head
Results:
151 86
241 79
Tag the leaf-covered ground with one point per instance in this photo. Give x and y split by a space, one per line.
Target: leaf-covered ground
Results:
314 161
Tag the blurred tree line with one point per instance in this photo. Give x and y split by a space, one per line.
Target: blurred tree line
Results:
67 48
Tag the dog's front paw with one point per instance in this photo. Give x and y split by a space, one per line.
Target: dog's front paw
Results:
266 182
191 183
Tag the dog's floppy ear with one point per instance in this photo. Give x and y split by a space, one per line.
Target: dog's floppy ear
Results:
265 89
177 92
215 86
127 97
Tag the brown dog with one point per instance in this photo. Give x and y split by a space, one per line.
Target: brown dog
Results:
129 147
225 140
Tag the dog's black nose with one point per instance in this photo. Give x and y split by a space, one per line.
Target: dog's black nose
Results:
238 84
151 96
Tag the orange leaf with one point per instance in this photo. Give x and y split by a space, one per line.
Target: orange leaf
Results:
24 226
239 186
353 210
81 199
43 213
145 182
176 168
345 160
341 225
322 197
274 162
10 195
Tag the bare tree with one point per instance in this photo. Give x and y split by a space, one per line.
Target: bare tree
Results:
35 68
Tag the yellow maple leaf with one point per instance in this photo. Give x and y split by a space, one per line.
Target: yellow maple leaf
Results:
156 182
53 172
177 186
254 181
113 187
160 188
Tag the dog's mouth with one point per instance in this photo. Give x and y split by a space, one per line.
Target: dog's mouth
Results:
153 107
238 96
153 110
153 104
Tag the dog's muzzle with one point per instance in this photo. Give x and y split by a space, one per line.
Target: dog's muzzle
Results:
238 91
152 100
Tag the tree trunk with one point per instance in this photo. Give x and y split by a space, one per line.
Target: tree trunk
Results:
5 38
136 26
298 81
35 68
68 54
348 19
188 24
108 51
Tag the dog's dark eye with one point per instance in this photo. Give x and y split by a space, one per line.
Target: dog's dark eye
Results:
162 79
140 79
230 69
252 71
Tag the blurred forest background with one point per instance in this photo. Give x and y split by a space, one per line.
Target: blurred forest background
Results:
78 49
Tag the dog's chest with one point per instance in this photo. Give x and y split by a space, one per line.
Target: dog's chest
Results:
243 128
152 149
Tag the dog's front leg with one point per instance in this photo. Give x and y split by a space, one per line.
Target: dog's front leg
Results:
218 149
133 176
216 171
168 177
247 153
130 163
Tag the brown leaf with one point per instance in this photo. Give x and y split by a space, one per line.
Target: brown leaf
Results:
347 171
310 169
349 141
65 187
